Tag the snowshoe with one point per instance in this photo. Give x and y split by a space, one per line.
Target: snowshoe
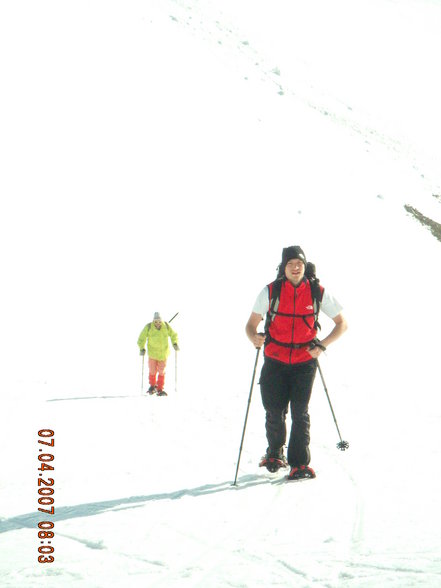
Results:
273 464
162 393
302 472
152 390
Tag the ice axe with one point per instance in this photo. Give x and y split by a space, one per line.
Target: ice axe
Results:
174 316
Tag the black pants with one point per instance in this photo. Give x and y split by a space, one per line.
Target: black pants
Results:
281 385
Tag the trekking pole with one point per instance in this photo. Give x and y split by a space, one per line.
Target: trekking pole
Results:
142 376
342 445
176 357
246 416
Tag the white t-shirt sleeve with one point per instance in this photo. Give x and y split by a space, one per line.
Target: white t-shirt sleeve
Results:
262 302
330 305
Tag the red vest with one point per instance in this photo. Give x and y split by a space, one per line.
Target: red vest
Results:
292 324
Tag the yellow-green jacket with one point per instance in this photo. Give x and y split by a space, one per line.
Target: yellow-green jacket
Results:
157 340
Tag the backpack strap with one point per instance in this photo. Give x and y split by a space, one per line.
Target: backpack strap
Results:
317 296
274 290
169 329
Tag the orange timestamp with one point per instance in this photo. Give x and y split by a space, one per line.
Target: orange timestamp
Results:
46 495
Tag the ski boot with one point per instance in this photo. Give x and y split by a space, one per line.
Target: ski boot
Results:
162 393
152 390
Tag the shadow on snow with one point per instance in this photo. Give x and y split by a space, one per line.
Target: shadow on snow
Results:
90 509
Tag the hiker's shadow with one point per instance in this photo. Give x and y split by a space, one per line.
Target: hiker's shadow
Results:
90 509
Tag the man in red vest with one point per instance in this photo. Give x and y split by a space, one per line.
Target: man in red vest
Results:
291 352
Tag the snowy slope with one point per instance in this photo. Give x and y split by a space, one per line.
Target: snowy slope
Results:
158 156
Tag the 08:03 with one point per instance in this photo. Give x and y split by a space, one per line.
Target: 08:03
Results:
45 498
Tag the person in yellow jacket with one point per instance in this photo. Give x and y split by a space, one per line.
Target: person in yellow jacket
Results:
156 334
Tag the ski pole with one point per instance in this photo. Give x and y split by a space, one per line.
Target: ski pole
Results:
176 357
342 445
142 376
246 415
176 371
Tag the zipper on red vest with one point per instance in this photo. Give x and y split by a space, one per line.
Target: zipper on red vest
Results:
293 324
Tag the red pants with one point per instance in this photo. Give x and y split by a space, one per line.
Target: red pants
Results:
157 367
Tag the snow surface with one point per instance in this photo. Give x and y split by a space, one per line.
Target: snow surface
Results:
158 156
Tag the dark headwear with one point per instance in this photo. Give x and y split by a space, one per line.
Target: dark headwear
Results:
293 252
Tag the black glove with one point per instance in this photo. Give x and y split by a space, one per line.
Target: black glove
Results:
142 352
316 343
175 346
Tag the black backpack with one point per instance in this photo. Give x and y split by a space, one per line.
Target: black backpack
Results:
316 293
